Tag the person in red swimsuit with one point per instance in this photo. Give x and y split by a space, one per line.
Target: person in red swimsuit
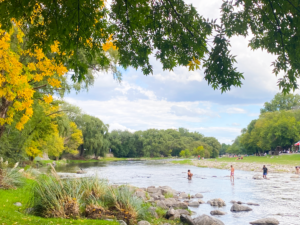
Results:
232 174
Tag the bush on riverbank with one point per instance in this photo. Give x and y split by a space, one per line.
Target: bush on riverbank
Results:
54 197
9 177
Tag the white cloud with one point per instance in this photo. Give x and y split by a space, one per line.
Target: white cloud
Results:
233 110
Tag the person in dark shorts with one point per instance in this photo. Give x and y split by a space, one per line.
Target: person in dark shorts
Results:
265 172
189 175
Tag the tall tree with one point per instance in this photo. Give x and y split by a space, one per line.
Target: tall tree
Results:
282 102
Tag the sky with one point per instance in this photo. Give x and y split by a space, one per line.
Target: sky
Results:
182 98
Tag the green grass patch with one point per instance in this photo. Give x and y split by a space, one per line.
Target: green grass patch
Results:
11 214
183 162
292 159
169 195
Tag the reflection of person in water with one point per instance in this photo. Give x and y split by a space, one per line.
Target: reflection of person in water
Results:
189 175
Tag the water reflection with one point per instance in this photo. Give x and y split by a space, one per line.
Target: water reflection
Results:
278 197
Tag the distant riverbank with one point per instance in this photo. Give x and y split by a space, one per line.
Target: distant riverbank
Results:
278 164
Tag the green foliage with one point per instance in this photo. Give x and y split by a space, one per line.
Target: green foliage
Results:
75 198
278 125
274 26
282 102
10 213
169 195
157 143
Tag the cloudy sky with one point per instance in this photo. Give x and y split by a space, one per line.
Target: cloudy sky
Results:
182 98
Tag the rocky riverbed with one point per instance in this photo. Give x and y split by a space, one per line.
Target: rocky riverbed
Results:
177 203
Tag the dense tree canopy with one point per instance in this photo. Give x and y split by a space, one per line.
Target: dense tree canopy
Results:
171 30
277 125
282 102
156 143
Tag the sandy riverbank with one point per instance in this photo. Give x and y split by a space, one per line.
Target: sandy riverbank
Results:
277 168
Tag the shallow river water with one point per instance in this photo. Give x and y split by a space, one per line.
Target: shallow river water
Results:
278 197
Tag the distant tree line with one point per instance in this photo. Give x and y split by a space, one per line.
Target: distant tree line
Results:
277 125
156 143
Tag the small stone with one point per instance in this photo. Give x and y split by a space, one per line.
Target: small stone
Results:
121 222
201 201
239 208
251 203
217 212
266 221
183 195
19 204
198 195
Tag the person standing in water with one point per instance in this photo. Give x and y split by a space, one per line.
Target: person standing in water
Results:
189 175
265 172
232 174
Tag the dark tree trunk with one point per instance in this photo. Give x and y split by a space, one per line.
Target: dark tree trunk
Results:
4 105
81 150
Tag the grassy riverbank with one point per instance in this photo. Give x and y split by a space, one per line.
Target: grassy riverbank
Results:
11 214
286 159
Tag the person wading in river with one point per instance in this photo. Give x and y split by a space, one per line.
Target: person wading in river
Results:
189 175
265 172
232 174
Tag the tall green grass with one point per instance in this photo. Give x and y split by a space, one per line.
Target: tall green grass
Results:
10 177
54 197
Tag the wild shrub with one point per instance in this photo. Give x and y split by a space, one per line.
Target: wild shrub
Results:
10 177
85 197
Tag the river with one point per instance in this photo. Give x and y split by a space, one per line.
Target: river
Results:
278 197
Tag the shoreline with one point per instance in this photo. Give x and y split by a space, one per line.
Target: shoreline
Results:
245 166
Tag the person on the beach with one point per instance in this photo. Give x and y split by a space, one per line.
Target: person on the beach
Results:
297 169
265 172
198 157
232 174
189 175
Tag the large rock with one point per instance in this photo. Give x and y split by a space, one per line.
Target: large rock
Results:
154 190
194 204
141 194
161 204
172 214
153 212
182 205
143 222
217 202
266 221
207 220
217 212
171 202
198 195
183 212
186 219
239 208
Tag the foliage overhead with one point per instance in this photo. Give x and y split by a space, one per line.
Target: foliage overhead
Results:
274 25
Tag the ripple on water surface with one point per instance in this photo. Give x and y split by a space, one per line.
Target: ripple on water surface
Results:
278 197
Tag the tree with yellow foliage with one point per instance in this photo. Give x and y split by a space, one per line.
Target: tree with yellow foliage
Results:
20 79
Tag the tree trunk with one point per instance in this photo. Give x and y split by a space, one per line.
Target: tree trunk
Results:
4 105
81 150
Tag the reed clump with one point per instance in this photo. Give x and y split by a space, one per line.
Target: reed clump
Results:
85 197
10 178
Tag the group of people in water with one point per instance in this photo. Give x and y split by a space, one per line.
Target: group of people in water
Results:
264 169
